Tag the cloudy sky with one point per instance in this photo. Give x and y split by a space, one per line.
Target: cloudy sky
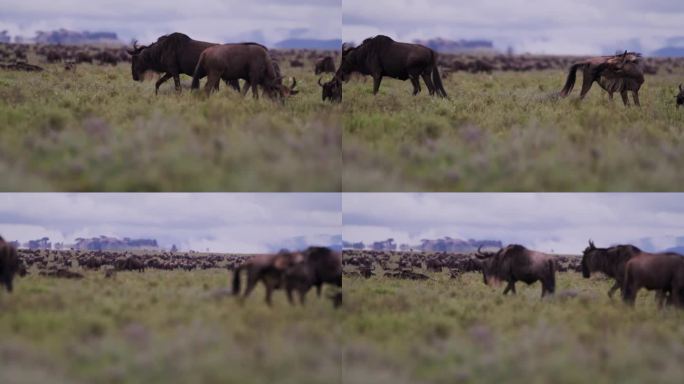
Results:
219 222
537 26
266 21
548 222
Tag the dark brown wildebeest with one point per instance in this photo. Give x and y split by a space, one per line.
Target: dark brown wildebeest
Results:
173 55
332 90
130 263
324 65
320 265
619 73
663 272
268 269
381 56
9 264
680 96
517 263
610 261
248 61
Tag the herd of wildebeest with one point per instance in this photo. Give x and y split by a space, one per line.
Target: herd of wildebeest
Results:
380 56
295 272
631 268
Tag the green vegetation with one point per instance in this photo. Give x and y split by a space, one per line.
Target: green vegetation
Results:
162 327
95 129
509 132
461 331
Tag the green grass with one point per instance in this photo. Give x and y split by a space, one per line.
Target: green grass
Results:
461 331
162 327
508 132
96 129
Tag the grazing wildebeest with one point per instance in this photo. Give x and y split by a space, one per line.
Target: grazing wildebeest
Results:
381 56
619 73
268 269
332 90
248 61
663 272
130 263
680 96
325 65
517 263
173 55
320 265
9 263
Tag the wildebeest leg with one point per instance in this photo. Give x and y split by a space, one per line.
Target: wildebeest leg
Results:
428 82
289 296
509 288
625 99
416 85
635 95
302 296
251 283
587 82
212 81
245 89
318 289
161 81
269 294
612 289
376 84
176 81
235 84
610 96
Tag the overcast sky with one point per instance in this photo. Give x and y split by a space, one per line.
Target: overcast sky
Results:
537 26
547 222
266 21
220 222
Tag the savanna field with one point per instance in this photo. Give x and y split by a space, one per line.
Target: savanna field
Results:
95 129
444 330
161 327
508 131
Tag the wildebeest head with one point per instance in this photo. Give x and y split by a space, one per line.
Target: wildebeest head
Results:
486 260
9 264
138 63
332 90
276 90
680 97
588 257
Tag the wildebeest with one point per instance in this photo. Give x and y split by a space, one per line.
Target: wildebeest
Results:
610 261
517 263
662 272
130 263
324 65
268 269
332 90
248 61
9 263
381 56
173 55
320 265
618 73
680 96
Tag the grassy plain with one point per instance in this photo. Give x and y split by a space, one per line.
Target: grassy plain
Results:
162 327
508 132
95 129
449 331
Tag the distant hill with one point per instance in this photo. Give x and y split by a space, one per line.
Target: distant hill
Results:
302 242
335 44
67 37
669 52
446 244
678 249
105 243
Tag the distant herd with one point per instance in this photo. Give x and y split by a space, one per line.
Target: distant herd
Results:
297 272
380 56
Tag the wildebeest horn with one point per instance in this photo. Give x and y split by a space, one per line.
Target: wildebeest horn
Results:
294 83
320 78
591 244
479 253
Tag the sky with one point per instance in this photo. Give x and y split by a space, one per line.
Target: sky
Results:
235 222
265 21
561 223
536 26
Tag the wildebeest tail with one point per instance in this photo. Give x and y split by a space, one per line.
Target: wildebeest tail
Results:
436 78
236 280
198 74
570 81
